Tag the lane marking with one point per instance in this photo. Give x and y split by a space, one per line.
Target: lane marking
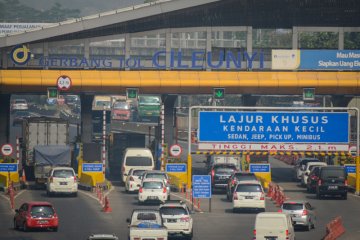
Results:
188 201
19 193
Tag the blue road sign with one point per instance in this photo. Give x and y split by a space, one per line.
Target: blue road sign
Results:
176 168
350 168
278 127
92 167
259 168
8 167
201 186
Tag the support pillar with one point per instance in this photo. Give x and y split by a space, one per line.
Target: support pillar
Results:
4 118
86 118
169 120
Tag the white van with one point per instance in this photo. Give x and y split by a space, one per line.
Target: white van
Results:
139 158
273 225
308 168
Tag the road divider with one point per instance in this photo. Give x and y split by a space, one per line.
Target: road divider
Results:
334 229
276 193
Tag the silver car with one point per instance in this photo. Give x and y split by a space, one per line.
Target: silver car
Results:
301 213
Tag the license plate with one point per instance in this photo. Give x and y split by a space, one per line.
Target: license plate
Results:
249 197
63 183
42 222
332 187
171 220
295 215
152 197
271 238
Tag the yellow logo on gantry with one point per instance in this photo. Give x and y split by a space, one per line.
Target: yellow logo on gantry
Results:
20 54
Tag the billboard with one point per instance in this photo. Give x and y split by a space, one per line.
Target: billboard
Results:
316 60
275 127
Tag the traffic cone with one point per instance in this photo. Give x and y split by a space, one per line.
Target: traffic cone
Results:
107 207
23 176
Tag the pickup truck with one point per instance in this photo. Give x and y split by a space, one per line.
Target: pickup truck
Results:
146 224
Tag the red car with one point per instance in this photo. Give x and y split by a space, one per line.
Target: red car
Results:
36 215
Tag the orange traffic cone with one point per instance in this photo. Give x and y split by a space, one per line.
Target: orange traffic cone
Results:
107 207
23 176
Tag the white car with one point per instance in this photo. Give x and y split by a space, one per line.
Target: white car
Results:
158 175
274 225
19 104
309 166
62 180
300 165
177 218
249 195
133 180
152 190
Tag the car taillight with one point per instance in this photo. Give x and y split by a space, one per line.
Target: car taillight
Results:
235 197
233 182
254 233
319 182
75 180
280 210
287 233
262 197
346 182
164 190
313 177
212 175
140 190
305 212
131 178
51 179
168 181
184 219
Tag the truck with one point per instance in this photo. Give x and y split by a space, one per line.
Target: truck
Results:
149 108
99 104
41 131
47 157
118 142
223 159
146 224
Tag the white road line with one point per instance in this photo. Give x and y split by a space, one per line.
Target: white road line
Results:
19 193
188 201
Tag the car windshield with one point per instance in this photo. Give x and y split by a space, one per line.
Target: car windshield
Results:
121 105
63 173
292 206
156 175
42 211
138 172
146 216
149 100
103 104
20 101
173 211
248 188
22 114
138 161
153 185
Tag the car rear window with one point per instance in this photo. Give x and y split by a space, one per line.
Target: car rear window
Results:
245 177
156 175
333 173
153 185
292 206
63 173
224 170
274 222
173 211
146 216
138 172
42 211
138 161
248 188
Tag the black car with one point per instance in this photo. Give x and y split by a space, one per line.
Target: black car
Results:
235 178
332 181
312 179
220 175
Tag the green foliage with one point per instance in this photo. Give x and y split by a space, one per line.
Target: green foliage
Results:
319 40
352 40
14 11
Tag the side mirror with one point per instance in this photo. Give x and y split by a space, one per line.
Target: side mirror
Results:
128 220
17 210
306 174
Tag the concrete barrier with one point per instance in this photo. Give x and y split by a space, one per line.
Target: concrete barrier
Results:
91 180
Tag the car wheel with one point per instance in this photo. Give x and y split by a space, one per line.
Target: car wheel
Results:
235 210
55 229
318 196
75 194
344 196
48 193
313 225
168 198
308 227
15 225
